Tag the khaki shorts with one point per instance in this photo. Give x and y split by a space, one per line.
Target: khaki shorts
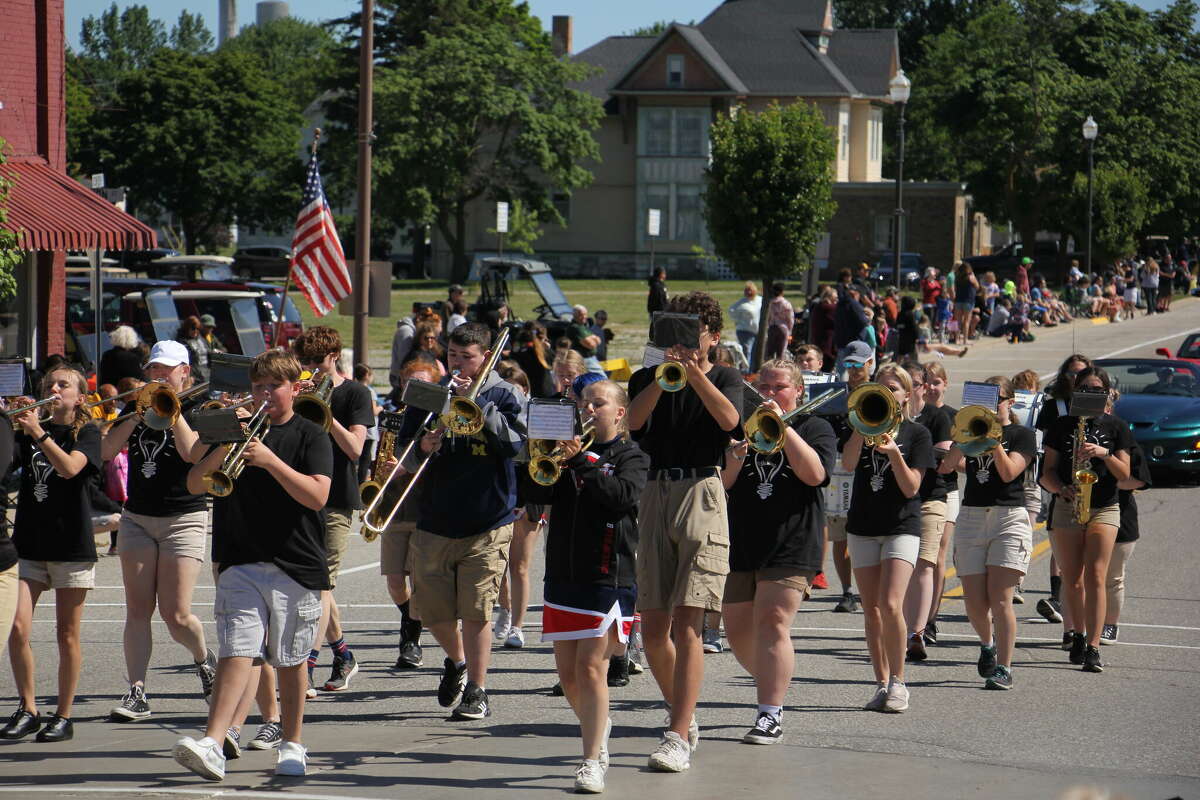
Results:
835 530
395 554
683 544
1064 516
60 574
262 613
337 540
741 586
9 591
182 536
992 536
458 578
1033 497
933 524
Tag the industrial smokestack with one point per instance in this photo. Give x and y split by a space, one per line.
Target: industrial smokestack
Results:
269 11
226 20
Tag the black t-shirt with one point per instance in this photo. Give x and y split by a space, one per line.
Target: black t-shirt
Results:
984 486
935 486
1111 433
8 550
158 473
680 432
1138 468
261 523
54 514
950 480
877 507
351 405
775 519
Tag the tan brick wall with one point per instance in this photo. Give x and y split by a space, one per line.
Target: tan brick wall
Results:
936 219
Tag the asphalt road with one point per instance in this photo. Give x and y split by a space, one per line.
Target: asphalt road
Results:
1132 730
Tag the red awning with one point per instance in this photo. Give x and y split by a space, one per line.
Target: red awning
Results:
49 211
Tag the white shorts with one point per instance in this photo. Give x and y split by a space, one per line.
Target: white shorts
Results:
992 536
871 551
59 574
262 613
953 504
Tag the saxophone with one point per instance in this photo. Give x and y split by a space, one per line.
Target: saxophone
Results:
1082 476
368 489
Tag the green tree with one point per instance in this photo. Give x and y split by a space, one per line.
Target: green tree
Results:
191 35
654 28
10 255
209 138
523 229
297 54
768 193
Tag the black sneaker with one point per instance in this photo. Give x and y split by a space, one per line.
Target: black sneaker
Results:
987 661
557 691
1049 609
411 655
618 671
207 670
846 604
343 670
474 704
454 678
1068 638
1078 646
766 730
231 745
1001 678
268 737
133 706
1091 660
1108 634
930 633
916 649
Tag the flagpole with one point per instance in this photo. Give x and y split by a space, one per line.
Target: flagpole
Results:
362 229
287 280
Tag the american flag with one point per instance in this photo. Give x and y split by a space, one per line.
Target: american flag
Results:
318 263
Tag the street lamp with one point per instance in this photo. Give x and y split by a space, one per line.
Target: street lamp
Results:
899 88
1090 129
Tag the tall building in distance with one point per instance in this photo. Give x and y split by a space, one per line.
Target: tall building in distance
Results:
269 11
226 20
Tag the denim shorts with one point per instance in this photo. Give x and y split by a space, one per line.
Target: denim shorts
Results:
262 613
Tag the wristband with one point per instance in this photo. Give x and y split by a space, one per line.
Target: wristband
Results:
42 438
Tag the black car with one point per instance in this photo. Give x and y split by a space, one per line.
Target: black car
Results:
261 261
1160 399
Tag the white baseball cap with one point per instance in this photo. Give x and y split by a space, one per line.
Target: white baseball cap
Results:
169 354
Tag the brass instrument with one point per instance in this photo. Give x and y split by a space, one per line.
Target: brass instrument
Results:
15 410
766 431
671 376
156 402
976 430
1082 476
873 412
313 405
220 482
371 488
546 468
213 405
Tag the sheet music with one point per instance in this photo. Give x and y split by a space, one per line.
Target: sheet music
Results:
981 394
653 356
550 420
12 379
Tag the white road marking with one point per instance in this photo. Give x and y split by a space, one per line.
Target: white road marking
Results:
1116 353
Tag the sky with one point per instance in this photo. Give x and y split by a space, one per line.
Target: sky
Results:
594 19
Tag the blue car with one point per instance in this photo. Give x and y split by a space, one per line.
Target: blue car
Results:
1160 399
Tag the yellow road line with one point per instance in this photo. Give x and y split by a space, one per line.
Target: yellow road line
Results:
1039 550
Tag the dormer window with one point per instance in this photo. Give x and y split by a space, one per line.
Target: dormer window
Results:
675 71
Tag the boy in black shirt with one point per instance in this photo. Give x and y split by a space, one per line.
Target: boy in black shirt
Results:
351 408
270 537
683 548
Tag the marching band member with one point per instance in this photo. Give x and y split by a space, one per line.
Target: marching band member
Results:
860 364
937 380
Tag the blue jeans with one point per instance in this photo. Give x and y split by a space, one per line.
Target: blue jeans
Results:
747 339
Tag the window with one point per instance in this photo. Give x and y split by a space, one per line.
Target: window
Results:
883 227
687 212
562 204
674 132
675 71
875 134
658 195
689 132
658 131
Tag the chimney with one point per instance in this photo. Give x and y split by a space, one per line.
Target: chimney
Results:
226 20
562 30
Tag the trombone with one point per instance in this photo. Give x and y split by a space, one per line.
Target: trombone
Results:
766 430
156 403
15 410
976 430
219 482
314 405
873 412
545 466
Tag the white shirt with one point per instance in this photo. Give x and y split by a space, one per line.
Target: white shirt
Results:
745 313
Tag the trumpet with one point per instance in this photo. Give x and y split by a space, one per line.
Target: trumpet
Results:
373 487
873 413
156 403
29 404
314 405
766 431
1082 476
671 376
545 468
219 482
976 430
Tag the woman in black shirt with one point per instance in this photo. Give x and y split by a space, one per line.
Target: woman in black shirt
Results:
1083 549
53 535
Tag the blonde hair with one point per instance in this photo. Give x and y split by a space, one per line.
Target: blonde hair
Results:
616 393
935 369
795 374
572 359
82 415
900 374
1026 380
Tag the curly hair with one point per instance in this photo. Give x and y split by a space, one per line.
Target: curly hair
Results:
701 303
315 343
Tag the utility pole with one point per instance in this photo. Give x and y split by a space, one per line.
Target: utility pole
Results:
362 228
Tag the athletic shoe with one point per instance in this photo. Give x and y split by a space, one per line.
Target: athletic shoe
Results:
618 671
1048 610
411 655
671 755
1068 638
930 632
515 639
474 704
766 730
1001 678
916 648
846 604
231 745
1091 660
877 700
635 667
133 706
557 691
897 698
268 737
1108 634
1018 598
311 692
343 670
454 678
987 660
292 761
603 759
207 670
712 640
1078 647
819 581
589 777
502 624
693 730
202 757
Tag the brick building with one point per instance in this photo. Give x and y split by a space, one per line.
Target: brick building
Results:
50 212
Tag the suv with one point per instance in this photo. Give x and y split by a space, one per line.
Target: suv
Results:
912 267
262 261
1005 260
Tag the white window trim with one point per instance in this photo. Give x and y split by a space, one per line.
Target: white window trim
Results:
675 59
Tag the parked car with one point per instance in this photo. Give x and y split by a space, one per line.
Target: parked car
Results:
269 298
1188 351
1005 260
1160 400
261 261
912 267
139 260
192 268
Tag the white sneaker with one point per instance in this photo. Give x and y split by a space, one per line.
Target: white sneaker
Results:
693 730
589 777
202 757
671 755
293 760
877 701
897 698
604 746
503 623
515 640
